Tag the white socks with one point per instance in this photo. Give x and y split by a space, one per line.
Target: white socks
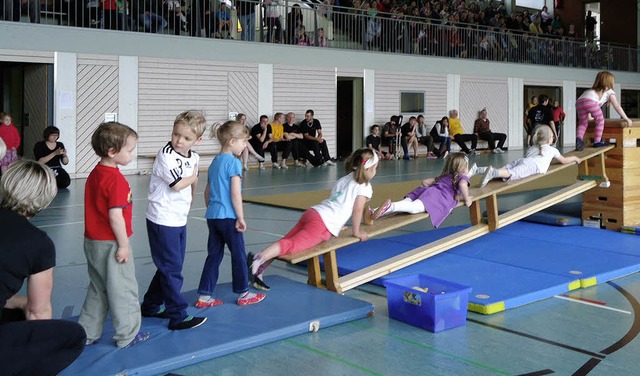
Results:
407 206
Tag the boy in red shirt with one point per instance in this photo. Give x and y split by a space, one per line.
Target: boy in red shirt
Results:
108 212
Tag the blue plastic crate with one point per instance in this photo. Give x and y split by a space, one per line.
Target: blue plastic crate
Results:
443 307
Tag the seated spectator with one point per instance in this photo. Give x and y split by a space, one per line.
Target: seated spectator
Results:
175 18
482 127
373 142
390 132
276 140
424 137
150 19
294 135
31 342
258 136
301 37
242 118
410 136
441 132
320 40
223 19
457 134
201 17
52 153
314 140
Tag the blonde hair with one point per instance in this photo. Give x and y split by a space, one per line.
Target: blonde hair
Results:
3 148
194 119
27 187
229 130
452 166
355 163
541 135
604 81
110 135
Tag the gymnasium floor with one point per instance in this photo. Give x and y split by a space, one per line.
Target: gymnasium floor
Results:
554 336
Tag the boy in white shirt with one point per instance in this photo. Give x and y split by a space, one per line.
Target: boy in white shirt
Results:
171 189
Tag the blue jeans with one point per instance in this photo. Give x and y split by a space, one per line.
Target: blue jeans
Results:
168 246
221 232
152 22
248 24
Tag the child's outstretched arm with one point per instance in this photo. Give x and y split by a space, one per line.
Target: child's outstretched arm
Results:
464 191
236 201
614 102
428 182
356 218
566 160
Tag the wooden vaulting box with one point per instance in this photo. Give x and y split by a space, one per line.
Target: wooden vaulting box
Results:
618 205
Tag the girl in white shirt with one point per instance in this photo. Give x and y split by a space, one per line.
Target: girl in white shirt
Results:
348 198
590 102
536 161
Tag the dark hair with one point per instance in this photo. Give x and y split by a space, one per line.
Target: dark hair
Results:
264 117
371 128
110 135
48 131
309 112
542 98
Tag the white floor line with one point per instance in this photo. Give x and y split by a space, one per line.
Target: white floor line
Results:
592 304
60 224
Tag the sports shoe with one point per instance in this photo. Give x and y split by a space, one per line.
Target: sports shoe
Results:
490 174
381 210
431 155
496 151
250 257
89 342
406 157
259 284
329 162
245 167
284 165
475 170
139 338
259 158
445 155
188 323
579 144
261 166
501 150
251 298
600 144
276 166
300 164
161 314
208 303
474 152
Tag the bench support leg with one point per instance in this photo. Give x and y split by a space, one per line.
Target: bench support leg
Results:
331 272
313 269
474 213
492 212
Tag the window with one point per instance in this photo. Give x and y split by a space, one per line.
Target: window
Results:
412 102
630 102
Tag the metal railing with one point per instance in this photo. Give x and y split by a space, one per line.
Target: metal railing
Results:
323 25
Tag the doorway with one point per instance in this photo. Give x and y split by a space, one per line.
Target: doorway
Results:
594 8
349 115
26 92
554 93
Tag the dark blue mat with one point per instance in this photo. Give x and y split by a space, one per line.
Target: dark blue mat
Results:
516 265
287 311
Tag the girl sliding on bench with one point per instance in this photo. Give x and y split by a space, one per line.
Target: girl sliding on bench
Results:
536 161
348 198
436 196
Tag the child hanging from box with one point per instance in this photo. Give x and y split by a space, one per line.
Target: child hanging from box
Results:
436 196
317 224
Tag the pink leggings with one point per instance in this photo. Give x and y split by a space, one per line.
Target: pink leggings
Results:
585 107
309 231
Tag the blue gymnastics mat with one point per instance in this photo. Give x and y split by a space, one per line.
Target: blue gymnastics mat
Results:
519 264
287 311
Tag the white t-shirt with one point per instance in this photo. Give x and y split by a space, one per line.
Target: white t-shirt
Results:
542 161
591 94
336 210
166 206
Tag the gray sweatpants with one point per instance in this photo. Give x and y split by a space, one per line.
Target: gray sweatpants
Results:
112 288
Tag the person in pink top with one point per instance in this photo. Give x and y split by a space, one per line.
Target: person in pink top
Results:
9 134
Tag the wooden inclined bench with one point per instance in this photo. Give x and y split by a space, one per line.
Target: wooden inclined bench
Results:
489 193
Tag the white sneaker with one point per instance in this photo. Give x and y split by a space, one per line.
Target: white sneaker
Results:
474 152
261 166
300 164
276 166
489 175
475 170
329 163
259 158
284 165
501 151
496 151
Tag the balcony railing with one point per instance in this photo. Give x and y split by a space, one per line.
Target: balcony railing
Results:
320 25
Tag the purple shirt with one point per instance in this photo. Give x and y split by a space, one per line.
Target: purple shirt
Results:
439 198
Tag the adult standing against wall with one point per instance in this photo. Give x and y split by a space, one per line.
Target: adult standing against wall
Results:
482 127
31 343
541 114
52 153
247 16
314 140
590 27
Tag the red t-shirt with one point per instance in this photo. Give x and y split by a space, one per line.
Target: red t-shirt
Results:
106 188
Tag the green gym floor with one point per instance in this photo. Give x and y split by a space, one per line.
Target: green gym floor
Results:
553 336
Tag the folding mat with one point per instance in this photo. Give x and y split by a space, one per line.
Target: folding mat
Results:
519 264
288 310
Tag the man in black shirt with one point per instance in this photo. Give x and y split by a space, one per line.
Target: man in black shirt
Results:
312 132
259 136
540 114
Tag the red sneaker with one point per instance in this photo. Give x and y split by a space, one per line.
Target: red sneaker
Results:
256 298
208 303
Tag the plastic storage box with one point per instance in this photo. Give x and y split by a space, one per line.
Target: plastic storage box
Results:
443 306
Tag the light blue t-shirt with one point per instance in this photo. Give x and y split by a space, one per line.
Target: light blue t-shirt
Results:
222 169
